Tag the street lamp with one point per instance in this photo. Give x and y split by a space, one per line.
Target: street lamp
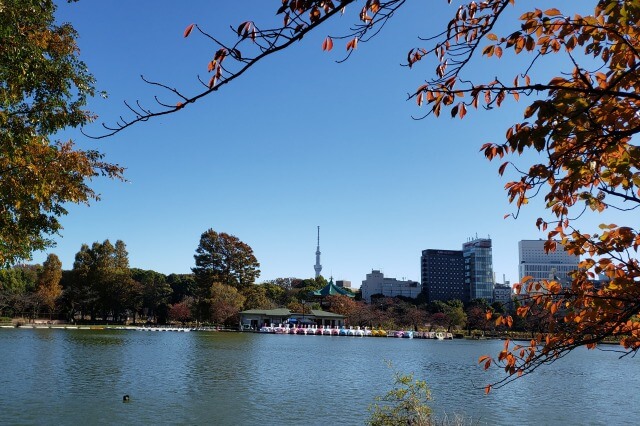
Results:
303 302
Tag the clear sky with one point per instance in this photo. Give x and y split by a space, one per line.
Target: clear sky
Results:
299 141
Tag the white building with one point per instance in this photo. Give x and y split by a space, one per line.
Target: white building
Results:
535 262
376 283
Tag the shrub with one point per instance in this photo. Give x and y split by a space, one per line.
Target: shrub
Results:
406 403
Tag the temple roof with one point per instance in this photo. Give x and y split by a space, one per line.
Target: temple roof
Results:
332 290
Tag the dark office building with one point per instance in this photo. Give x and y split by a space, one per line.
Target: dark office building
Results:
443 275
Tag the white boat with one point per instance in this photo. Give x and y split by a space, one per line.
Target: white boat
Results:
440 335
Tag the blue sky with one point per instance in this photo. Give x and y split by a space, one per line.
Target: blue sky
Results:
299 141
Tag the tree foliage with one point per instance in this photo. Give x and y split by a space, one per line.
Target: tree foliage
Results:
101 283
339 304
43 89
49 289
223 258
225 303
582 122
181 311
405 404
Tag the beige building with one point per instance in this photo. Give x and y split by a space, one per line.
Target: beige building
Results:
376 283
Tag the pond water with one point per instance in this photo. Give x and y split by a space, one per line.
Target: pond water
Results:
54 376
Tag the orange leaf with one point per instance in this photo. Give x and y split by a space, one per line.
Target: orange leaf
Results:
487 389
188 30
552 12
463 110
327 45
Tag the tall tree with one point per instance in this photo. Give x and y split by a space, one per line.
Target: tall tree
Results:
82 296
49 289
43 89
101 282
121 255
223 258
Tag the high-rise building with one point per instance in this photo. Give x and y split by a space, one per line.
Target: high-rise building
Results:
478 268
318 267
443 275
465 274
535 262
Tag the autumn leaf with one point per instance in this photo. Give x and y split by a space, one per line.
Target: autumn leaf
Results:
188 30
552 12
327 44
463 110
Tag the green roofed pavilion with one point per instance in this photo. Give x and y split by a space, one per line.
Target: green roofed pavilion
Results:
332 290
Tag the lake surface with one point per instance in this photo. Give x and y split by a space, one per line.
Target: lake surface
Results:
51 376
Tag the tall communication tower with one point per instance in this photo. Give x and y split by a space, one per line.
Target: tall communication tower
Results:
318 266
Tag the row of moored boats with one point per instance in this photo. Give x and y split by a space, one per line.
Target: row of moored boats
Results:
354 332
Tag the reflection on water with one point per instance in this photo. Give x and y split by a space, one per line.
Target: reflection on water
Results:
79 376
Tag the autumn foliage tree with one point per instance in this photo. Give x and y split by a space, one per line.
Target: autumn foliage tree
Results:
49 288
580 124
225 303
43 89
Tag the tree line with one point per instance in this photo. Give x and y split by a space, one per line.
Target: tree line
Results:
102 286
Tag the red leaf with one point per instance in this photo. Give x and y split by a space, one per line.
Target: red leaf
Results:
327 45
463 110
188 30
